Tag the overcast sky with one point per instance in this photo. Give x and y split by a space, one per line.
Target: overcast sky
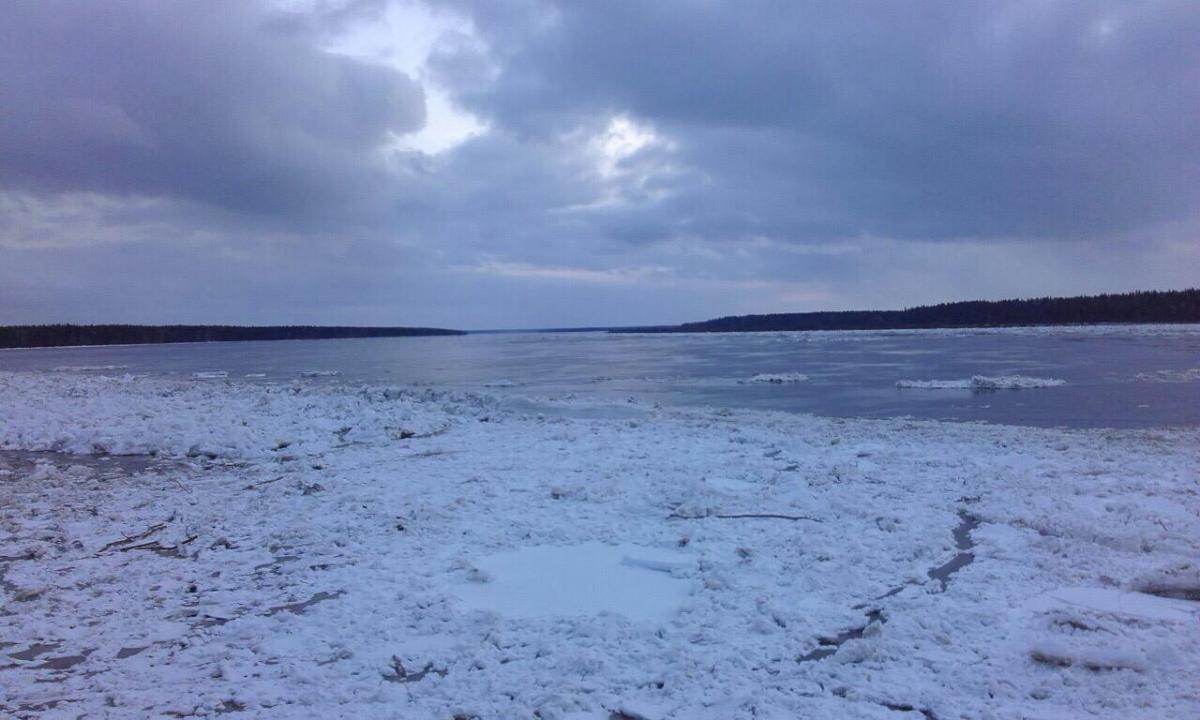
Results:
528 164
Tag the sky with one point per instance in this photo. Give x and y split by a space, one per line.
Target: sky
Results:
531 163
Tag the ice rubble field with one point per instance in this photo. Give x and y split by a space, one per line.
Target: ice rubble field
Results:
318 550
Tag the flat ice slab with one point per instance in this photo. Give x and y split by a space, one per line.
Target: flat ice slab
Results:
1110 601
589 579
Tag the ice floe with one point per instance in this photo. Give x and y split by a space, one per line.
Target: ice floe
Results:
89 368
1170 376
779 378
983 382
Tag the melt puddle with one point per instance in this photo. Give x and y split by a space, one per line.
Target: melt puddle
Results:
962 540
589 579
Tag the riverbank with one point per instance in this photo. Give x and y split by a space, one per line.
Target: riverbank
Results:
309 550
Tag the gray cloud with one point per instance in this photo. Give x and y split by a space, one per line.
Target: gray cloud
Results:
215 102
935 119
643 162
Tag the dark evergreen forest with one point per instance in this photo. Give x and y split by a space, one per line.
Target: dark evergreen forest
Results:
21 336
1171 306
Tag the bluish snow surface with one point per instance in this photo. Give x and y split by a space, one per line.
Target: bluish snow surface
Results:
314 550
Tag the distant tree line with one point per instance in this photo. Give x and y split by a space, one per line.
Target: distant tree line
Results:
1172 306
23 336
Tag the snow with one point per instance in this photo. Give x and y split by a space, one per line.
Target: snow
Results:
982 383
333 550
779 378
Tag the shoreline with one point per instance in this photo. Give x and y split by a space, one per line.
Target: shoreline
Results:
1073 328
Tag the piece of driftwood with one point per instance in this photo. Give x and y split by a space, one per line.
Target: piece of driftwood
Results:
133 538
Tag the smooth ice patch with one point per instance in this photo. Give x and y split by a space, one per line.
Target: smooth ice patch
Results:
1116 602
588 579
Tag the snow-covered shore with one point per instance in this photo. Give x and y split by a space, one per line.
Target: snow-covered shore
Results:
322 550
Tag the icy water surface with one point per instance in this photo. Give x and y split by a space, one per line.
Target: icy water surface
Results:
1116 376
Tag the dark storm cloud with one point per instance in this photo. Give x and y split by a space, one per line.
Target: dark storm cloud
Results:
896 118
639 162
214 102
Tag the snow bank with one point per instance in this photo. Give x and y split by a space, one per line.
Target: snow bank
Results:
983 382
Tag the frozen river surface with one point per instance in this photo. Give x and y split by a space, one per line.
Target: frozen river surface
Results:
597 527
1115 376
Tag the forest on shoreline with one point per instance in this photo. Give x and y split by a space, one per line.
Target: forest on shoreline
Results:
1168 306
29 336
